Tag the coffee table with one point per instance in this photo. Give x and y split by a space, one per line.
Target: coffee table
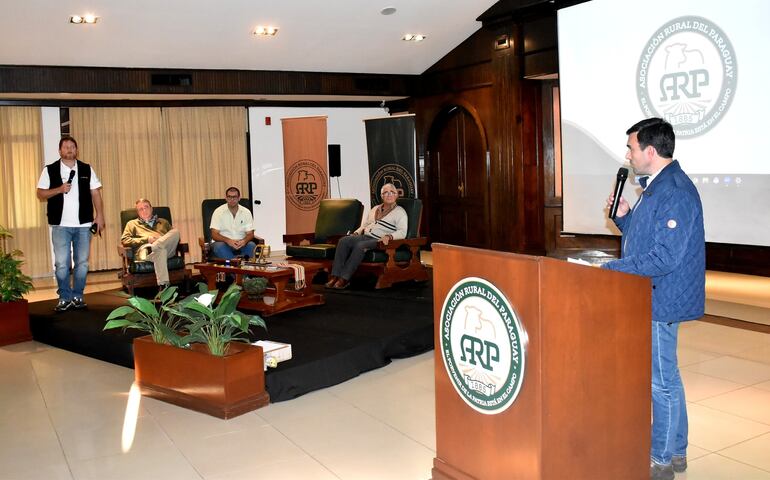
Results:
277 297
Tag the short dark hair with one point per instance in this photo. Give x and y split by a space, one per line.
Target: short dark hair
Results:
656 132
231 189
67 138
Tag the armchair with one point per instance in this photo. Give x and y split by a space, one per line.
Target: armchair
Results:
137 273
207 210
399 260
336 217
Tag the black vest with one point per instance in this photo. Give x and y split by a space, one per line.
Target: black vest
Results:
56 203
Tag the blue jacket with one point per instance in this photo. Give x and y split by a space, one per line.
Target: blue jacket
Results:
663 239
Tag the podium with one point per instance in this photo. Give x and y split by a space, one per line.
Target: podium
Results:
562 391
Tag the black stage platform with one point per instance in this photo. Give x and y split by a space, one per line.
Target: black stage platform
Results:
356 331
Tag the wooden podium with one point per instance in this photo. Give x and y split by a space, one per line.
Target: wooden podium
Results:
583 407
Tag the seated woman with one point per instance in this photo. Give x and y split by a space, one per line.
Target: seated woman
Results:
384 223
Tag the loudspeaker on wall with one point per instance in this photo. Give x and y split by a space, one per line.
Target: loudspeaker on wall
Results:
335 168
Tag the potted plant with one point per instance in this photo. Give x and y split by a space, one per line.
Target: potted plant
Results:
254 287
14 309
199 356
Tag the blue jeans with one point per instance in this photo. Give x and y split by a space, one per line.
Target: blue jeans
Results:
669 408
223 250
69 241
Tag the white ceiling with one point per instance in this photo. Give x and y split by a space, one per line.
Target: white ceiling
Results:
314 35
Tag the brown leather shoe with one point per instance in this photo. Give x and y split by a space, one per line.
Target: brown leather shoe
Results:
331 282
342 284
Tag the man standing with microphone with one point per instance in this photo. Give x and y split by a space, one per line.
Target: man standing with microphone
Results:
73 192
663 239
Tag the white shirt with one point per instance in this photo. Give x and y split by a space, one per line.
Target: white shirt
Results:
231 227
70 214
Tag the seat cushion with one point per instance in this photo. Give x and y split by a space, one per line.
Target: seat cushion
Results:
316 250
174 263
403 254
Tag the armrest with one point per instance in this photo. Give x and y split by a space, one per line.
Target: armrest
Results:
126 252
413 243
296 238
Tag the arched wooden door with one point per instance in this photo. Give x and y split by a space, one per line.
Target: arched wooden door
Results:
459 183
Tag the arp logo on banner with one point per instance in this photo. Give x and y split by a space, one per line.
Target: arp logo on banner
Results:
393 173
483 345
687 74
305 185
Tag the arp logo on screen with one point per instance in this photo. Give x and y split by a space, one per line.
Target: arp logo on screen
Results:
687 74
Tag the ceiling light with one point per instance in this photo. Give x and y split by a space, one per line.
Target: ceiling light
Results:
388 11
262 31
88 18
414 37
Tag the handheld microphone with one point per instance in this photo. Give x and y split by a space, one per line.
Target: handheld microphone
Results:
620 181
69 180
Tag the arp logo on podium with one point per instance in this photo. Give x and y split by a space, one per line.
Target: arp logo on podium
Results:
483 345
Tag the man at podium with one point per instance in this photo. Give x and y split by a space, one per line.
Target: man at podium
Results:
663 239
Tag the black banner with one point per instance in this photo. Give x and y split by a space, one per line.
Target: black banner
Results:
390 144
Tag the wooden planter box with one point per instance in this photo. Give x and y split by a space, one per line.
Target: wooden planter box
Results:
14 322
224 387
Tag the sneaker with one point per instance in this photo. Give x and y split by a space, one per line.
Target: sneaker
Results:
661 472
62 306
679 462
78 303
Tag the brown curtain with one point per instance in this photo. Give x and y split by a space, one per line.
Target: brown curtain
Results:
125 148
173 156
205 153
21 162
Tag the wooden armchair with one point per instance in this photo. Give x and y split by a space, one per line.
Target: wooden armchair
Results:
336 217
207 210
135 273
399 260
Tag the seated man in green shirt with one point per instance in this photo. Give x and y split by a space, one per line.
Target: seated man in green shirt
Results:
151 238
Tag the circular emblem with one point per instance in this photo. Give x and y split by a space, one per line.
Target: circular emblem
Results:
483 345
305 185
395 174
687 74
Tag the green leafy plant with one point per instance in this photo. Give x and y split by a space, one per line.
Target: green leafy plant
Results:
13 284
217 326
162 322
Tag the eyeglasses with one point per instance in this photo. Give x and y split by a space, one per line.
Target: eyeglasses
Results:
232 197
389 193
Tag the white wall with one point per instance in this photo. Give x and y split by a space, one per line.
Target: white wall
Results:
345 127
51 134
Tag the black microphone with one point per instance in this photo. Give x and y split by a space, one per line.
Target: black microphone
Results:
69 180
620 181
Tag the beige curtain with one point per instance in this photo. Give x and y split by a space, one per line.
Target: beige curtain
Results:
124 146
21 162
205 154
172 156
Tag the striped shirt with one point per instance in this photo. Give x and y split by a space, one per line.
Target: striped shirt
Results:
395 224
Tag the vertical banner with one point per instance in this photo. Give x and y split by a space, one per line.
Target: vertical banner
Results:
390 143
304 161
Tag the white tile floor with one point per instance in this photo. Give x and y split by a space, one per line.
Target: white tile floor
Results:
62 416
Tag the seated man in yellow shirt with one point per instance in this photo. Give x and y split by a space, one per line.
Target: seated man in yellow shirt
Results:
151 238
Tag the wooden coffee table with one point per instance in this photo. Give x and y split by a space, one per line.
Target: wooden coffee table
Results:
279 296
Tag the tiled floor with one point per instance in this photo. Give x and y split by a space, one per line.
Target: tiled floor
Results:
64 416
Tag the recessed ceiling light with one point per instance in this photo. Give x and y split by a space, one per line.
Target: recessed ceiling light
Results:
414 37
388 10
88 18
265 31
